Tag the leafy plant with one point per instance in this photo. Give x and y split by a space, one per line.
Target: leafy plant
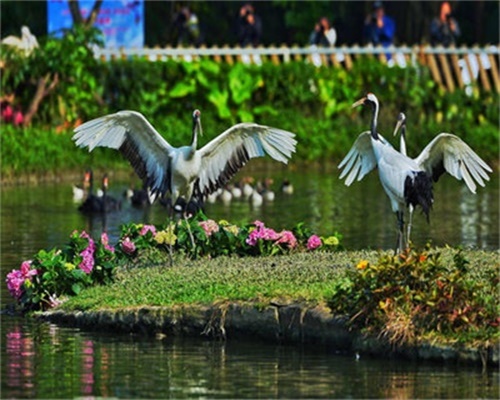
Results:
402 297
52 275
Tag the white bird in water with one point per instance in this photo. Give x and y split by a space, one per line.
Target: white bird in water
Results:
287 187
446 152
407 182
185 171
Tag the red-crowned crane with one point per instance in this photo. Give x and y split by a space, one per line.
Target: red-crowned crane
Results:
407 182
185 171
446 153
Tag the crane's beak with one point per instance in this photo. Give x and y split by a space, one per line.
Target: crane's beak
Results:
399 123
359 102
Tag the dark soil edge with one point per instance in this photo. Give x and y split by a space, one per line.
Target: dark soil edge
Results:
292 323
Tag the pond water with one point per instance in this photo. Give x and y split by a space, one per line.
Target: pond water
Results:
48 361
43 360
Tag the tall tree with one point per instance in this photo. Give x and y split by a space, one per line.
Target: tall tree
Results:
74 8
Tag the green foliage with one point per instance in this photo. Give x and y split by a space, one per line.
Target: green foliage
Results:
52 275
69 61
403 297
315 103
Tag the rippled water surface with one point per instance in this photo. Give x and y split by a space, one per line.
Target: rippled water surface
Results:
43 360
47 361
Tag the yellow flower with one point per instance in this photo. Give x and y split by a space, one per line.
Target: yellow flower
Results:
166 236
362 264
331 241
232 229
384 304
69 266
223 222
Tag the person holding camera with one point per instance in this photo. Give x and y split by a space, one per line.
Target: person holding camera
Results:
188 29
323 34
444 29
249 26
379 28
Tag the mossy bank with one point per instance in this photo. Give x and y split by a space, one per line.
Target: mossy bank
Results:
284 299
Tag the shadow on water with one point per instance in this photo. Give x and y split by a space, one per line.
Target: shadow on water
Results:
47 361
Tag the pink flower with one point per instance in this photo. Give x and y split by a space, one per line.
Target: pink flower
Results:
209 226
7 113
261 232
18 118
288 238
17 277
26 269
105 242
128 246
314 242
15 281
87 264
147 228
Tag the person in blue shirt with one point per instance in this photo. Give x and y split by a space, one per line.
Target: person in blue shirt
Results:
379 28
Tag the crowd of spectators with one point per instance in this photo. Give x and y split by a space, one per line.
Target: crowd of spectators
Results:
379 28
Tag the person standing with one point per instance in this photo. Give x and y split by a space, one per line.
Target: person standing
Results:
249 26
444 29
188 28
323 34
379 28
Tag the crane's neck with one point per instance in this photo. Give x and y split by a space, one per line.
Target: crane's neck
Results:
402 140
196 132
374 121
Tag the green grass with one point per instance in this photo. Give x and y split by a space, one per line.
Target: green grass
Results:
299 277
296 277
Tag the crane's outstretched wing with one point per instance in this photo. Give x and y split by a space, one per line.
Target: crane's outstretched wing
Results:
222 157
131 134
360 160
449 153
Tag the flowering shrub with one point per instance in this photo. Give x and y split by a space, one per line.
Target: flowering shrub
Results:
51 275
402 297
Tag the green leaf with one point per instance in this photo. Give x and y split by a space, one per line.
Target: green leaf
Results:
76 288
182 89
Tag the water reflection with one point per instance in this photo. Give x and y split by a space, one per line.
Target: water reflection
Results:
43 360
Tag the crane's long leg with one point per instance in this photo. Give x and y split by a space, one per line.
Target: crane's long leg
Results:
401 224
189 230
170 221
410 219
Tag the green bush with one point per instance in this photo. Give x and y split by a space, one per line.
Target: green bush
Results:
403 297
312 102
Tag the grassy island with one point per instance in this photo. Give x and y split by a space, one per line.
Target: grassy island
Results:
321 297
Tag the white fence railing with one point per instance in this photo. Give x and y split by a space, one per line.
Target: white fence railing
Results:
450 67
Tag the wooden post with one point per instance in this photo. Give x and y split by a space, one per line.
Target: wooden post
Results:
431 61
482 73
296 57
335 62
274 57
446 70
227 57
469 68
286 56
456 68
348 59
494 72
217 57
